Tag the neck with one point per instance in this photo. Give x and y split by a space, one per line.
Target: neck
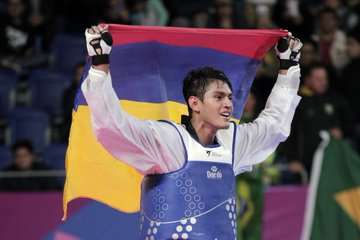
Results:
205 133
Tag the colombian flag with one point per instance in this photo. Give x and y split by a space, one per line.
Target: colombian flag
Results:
148 65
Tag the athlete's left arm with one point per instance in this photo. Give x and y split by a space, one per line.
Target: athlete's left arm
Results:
255 141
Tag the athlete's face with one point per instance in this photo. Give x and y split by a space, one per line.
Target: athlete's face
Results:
216 107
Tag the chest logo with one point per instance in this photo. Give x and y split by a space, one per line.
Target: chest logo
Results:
214 173
212 154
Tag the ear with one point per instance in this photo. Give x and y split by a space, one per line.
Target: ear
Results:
194 103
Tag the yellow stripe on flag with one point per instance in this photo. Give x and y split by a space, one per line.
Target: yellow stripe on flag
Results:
94 173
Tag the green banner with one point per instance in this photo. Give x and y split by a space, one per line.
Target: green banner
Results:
336 206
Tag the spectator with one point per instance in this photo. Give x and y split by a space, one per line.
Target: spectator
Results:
331 40
263 17
319 110
24 161
224 15
69 97
16 35
148 12
249 14
338 6
310 56
17 38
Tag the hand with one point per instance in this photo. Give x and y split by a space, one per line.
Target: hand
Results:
98 44
288 51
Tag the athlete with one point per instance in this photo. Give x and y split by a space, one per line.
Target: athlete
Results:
188 191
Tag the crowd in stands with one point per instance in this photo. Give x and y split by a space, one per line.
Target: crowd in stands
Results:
42 56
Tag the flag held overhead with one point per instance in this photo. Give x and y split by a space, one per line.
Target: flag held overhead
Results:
147 65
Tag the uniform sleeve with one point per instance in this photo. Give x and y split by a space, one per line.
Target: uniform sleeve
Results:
255 141
141 144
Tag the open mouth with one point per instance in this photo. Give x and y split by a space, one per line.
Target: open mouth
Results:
226 115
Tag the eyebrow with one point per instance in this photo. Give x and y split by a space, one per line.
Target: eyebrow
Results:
222 93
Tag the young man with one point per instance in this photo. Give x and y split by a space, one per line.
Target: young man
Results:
188 189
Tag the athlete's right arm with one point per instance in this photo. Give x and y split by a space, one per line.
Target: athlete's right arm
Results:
148 146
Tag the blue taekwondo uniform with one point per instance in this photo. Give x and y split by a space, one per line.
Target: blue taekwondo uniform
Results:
197 201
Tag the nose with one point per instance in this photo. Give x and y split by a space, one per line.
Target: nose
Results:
228 103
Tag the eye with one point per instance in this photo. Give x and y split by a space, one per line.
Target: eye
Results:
230 97
218 97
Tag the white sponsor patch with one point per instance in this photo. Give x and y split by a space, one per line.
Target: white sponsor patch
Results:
214 173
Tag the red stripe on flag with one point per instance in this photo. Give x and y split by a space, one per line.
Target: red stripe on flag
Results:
241 42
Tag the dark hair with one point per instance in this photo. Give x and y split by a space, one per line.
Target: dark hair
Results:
312 67
24 143
197 80
312 43
328 10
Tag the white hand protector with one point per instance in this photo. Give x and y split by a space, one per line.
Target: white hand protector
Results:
98 44
288 51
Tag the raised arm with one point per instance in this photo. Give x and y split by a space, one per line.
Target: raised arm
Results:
140 144
257 140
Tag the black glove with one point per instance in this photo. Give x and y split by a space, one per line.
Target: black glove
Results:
288 51
98 44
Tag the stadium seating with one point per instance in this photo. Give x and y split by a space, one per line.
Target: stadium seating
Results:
68 50
54 156
8 81
27 123
5 156
47 91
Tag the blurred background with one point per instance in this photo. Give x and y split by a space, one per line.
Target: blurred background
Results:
42 55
